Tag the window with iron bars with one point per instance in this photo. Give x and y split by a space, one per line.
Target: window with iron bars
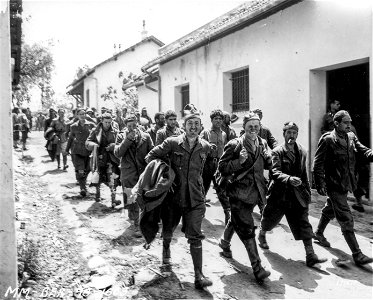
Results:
184 97
240 90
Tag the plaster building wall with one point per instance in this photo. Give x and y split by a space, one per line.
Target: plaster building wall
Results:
149 98
106 74
287 55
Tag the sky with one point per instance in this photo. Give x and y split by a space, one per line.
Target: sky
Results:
84 32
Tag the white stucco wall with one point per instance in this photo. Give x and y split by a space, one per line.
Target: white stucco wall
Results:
148 98
107 74
280 52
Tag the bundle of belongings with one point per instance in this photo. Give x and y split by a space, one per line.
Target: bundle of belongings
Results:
151 190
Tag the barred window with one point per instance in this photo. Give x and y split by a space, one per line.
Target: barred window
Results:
240 90
184 97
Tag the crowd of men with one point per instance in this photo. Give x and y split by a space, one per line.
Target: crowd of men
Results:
166 169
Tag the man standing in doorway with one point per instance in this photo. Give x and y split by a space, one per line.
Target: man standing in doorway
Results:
327 120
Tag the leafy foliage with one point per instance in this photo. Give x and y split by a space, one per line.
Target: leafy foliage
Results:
123 99
37 66
81 71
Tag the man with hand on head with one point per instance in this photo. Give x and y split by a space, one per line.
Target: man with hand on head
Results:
131 147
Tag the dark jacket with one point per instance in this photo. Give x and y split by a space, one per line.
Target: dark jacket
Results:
334 163
229 131
230 164
78 136
132 156
96 137
151 189
266 134
166 132
188 165
152 131
282 169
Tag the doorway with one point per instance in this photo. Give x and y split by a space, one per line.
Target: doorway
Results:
350 85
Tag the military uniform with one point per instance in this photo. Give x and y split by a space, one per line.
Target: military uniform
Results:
334 169
79 153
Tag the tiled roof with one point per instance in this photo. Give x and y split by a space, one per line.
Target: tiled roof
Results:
242 16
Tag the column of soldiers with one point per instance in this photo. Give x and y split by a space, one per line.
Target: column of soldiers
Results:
235 166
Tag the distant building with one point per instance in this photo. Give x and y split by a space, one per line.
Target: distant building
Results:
87 90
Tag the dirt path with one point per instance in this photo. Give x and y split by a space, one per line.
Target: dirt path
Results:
88 245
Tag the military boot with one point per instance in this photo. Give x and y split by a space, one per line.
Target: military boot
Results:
319 233
259 272
359 258
166 252
200 281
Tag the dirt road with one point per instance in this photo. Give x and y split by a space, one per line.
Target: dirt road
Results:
87 250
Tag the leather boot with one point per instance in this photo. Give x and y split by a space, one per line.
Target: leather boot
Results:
319 233
311 257
200 281
226 247
225 241
114 202
166 252
358 206
259 272
357 255
82 185
262 240
98 193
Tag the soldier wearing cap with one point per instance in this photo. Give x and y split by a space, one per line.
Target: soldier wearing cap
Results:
334 172
289 193
216 136
229 131
187 154
103 139
159 119
244 160
79 132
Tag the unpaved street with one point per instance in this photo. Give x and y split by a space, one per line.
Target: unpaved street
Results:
87 251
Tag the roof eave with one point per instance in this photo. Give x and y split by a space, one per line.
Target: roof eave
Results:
208 39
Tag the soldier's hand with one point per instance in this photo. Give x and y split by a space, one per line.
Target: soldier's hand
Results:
110 147
243 155
322 191
295 181
131 135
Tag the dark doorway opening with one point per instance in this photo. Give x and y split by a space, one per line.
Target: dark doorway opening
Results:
350 86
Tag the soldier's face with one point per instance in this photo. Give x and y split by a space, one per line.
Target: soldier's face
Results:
61 113
192 127
344 125
81 115
161 121
131 126
171 122
106 123
217 122
252 128
290 136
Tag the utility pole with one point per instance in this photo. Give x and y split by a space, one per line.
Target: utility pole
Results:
8 249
